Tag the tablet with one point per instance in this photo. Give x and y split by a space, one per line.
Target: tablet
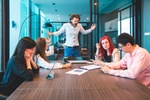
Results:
51 73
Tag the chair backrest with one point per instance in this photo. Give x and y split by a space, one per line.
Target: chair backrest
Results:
1 76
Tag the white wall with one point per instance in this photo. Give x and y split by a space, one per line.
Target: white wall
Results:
14 32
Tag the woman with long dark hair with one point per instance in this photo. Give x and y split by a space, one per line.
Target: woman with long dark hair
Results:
19 67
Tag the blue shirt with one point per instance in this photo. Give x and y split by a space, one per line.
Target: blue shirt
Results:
72 33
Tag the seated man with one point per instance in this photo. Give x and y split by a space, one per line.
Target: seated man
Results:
135 64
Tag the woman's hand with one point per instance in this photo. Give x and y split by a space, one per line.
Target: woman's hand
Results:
28 58
27 55
99 62
98 45
67 65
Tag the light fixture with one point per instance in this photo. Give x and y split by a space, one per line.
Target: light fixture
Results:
45 25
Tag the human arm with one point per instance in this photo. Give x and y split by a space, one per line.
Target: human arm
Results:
83 31
44 64
60 31
115 55
49 33
20 69
93 26
67 65
97 51
135 65
50 51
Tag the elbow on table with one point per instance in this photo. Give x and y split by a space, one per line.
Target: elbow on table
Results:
29 79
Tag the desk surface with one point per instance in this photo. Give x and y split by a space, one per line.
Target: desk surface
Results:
92 85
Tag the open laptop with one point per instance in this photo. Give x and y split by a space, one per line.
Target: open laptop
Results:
51 73
78 61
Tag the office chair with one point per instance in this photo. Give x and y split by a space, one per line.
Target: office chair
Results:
1 76
2 97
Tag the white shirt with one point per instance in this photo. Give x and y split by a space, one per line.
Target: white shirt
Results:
72 33
44 64
137 64
50 50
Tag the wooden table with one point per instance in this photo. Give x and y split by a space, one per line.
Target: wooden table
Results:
92 85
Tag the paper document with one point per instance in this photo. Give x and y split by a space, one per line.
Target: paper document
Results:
77 71
90 67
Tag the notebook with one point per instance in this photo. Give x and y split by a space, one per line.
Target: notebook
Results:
78 61
51 73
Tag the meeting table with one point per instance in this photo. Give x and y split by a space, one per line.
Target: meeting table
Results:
92 85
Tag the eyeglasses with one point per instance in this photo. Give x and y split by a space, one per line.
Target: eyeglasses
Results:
120 47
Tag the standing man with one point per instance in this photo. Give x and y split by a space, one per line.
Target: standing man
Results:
72 30
134 65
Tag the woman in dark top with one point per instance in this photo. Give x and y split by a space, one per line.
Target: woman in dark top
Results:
19 67
106 51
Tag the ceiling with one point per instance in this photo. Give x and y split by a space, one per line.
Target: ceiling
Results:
60 10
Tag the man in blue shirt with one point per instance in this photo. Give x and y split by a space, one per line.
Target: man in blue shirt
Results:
72 30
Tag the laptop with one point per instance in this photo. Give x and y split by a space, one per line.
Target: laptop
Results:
78 61
51 73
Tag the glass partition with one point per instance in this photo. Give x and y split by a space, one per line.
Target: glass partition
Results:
0 35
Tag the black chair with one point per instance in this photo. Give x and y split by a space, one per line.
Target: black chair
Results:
2 97
1 76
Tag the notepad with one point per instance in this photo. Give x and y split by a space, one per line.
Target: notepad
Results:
77 71
90 67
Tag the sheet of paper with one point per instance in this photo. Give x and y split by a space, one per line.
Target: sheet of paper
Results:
90 67
77 71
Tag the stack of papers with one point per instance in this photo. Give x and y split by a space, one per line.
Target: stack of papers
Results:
90 67
77 71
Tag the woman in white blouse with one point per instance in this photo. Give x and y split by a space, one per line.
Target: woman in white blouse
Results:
40 56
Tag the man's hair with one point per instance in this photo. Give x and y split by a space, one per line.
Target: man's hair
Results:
75 16
125 38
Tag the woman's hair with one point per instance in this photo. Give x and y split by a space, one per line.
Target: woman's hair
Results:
23 44
74 16
102 50
40 48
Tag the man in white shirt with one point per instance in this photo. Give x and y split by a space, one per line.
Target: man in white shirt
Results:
72 30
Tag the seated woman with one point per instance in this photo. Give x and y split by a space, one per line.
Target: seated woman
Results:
40 56
106 51
19 67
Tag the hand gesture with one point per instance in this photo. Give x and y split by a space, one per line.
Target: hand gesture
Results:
98 45
93 26
27 55
48 40
49 33
105 69
99 62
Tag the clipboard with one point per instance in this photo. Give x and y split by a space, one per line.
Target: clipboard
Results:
51 73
